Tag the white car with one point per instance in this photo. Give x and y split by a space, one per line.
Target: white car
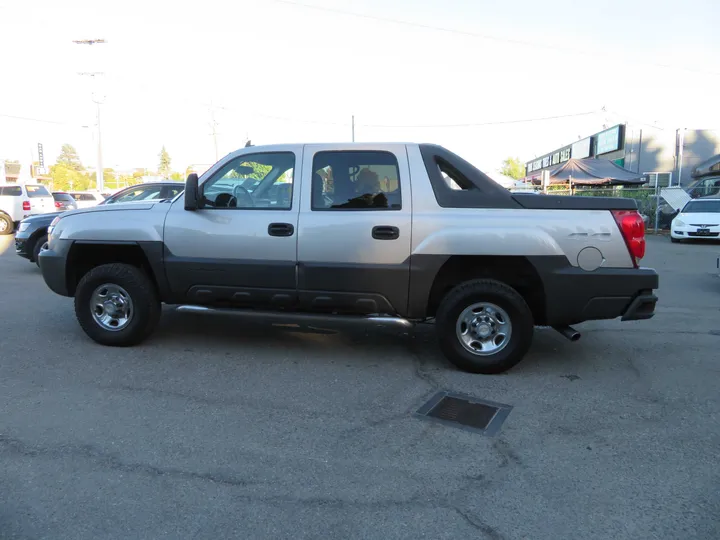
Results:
86 199
18 201
699 219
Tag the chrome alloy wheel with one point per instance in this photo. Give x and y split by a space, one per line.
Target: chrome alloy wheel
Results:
484 328
112 307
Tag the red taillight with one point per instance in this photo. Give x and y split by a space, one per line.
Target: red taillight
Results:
26 206
632 227
58 204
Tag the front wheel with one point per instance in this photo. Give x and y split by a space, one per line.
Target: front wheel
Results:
117 304
41 244
484 326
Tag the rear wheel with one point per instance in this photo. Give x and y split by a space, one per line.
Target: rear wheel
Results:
117 304
6 224
40 245
484 326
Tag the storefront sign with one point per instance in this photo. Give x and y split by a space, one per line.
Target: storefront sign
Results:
581 149
565 154
608 140
556 158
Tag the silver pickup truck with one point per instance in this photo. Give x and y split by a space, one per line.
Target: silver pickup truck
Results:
357 234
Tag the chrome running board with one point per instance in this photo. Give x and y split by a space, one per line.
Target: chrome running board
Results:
292 316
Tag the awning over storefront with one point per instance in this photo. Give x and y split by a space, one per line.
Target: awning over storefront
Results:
593 172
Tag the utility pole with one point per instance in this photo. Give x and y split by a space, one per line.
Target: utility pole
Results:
353 128
213 125
97 99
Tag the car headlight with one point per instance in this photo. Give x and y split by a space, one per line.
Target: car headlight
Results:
54 222
23 226
679 222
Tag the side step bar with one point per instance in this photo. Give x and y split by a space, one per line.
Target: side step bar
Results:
311 318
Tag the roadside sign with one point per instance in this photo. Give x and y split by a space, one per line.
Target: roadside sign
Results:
41 157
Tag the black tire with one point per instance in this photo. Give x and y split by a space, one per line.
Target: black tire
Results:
37 247
504 297
6 224
675 240
142 292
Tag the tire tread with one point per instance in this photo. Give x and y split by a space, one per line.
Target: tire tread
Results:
145 303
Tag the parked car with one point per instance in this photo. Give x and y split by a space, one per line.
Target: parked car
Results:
64 201
31 236
18 201
151 191
359 234
698 219
87 199
707 186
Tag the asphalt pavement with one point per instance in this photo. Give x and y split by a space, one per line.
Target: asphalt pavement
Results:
217 428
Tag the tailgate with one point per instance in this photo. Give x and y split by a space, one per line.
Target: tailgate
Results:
42 205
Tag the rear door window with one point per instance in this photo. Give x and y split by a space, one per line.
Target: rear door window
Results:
355 180
37 191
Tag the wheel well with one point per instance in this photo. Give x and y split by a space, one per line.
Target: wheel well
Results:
518 272
33 240
84 257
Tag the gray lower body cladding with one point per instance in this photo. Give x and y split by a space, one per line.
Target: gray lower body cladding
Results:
572 295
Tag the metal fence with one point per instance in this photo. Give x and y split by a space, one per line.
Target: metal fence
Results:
656 212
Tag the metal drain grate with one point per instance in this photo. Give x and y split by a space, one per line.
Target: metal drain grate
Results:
465 412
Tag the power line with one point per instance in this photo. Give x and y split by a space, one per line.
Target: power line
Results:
476 124
35 119
491 37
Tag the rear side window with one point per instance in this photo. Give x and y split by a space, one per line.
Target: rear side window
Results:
453 178
37 191
11 191
356 180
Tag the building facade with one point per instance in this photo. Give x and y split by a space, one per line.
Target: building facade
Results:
665 157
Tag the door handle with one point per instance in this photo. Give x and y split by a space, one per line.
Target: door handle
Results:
385 232
281 229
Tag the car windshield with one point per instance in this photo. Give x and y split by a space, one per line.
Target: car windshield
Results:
63 197
704 207
37 191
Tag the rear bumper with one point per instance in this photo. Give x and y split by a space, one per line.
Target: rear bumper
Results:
574 295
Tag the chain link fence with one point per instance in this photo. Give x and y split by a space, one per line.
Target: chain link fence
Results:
654 209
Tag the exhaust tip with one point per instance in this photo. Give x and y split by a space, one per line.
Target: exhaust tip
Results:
568 332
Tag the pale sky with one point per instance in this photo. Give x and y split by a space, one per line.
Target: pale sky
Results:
282 72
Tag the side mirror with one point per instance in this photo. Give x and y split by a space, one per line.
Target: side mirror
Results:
192 193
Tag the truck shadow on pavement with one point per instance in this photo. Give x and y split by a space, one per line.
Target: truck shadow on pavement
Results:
369 346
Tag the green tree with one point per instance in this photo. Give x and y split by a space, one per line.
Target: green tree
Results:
514 168
69 158
65 178
177 176
164 166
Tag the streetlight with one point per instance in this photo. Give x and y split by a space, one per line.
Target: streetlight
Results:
97 99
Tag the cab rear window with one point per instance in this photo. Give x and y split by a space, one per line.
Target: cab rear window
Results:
37 191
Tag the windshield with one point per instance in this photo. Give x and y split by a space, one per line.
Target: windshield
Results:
705 207
37 191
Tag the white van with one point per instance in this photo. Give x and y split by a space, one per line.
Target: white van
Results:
18 201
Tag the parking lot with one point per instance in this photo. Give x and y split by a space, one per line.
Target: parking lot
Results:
216 428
